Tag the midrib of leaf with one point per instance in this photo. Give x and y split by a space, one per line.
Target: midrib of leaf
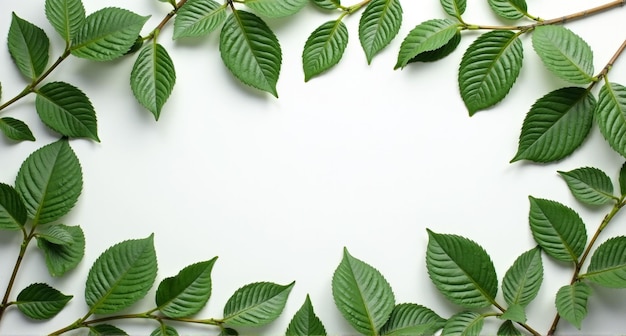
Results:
575 64
498 56
369 315
30 54
45 191
518 8
72 116
521 285
616 102
383 15
567 246
604 270
248 42
480 288
254 306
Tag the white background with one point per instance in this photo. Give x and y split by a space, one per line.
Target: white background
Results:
363 157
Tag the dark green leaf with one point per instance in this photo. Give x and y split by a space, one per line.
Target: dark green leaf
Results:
608 264
324 48
228 332
28 46
67 110
622 179
508 329
66 16
426 37
121 276
15 129
454 8
106 330
305 322
558 229
256 304
164 330
12 210
362 295
276 8
464 324
611 115
50 181
589 185
489 69
571 302
198 18
107 34
522 281
327 4
56 234
41 302
412 319
61 258
515 313
509 9
251 51
564 53
153 77
378 25
556 125
437 54
461 270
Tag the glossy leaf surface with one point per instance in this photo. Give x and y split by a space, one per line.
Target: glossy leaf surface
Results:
256 304
324 48
198 18
379 24
153 77
564 53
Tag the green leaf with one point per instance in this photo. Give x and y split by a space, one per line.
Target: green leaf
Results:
362 295
508 329
589 185
56 234
228 332
15 129
41 302
186 293
256 304
251 51
327 4
464 324
106 330
412 319
379 24
107 34
121 276
67 110
66 16
63 257
461 270
164 330
454 8
324 48
571 302
153 77
28 46
427 36
515 313
564 53
489 69
49 182
437 54
12 210
611 115
198 18
522 281
509 9
622 179
556 125
608 264
305 322
276 8
558 229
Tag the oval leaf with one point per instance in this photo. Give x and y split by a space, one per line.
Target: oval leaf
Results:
153 77
556 125
454 8
49 182
522 281
589 185
412 319
564 53
461 270
41 302
198 18
324 48
509 9
67 110
121 276
427 36
15 129
276 8
251 51
63 257
571 302
379 24
28 46
362 295
611 115
489 69
557 229
12 210
66 16
464 324
608 264
305 322
256 304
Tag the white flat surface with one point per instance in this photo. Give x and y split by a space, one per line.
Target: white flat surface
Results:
363 157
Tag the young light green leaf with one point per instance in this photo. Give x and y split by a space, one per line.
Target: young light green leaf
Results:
412 319
362 295
571 302
622 179
56 234
67 110
324 48
121 276
251 51
12 210
489 69
15 129
556 125
508 329
461 270
107 34
305 322
276 8
41 302
509 9
558 229
437 54
28 46
106 330
186 293
198 18
464 324
564 53
66 16
454 8
327 4
427 36
608 264
379 24
515 313
164 330
589 185
49 182
63 257
256 304
611 115
153 77
522 281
